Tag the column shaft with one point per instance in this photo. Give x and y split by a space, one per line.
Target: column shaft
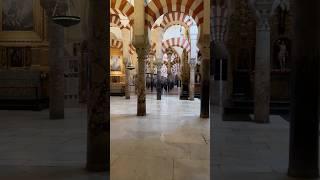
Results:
159 88
304 122
262 73
141 83
205 88
127 85
126 55
192 80
98 138
205 76
56 73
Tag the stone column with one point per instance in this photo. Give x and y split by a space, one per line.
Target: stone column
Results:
159 64
220 85
140 42
169 71
56 61
304 122
159 61
84 83
141 83
98 138
56 72
262 62
126 55
205 75
192 78
169 64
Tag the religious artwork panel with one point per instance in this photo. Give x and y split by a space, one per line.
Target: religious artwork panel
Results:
17 15
22 21
115 63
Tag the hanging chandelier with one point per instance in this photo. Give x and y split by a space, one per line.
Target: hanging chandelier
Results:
129 64
65 20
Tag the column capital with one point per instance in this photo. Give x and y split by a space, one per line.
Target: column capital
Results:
263 10
141 52
193 62
263 21
220 50
158 62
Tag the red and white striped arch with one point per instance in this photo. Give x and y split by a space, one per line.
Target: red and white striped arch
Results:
132 49
174 18
153 50
115 21
116 44
156 8
176 57
176 42
122 7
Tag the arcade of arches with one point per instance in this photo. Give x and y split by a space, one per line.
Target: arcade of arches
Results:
159 89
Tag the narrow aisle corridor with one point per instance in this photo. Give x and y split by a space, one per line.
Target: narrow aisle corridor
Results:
170 143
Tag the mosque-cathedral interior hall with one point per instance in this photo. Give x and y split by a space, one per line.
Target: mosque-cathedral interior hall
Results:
159 89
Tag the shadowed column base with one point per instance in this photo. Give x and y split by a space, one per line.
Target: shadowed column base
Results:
56 116
98 167
303 173
141 111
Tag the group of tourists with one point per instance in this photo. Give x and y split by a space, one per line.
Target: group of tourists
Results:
166 84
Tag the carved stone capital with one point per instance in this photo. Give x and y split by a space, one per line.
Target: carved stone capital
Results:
141 52
263 10
193 62
263 24
158 63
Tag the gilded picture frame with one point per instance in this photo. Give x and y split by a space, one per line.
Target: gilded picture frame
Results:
35 34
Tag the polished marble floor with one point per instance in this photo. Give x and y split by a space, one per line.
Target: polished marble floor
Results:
250 151
36 148
170 143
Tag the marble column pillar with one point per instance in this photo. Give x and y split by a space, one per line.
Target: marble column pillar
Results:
127 85
204 47
159 88
56 59
126 54
304 121
262 68
169 65
192 79
159 60
56 72
141 83
98 138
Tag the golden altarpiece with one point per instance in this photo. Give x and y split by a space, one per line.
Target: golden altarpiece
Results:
23 54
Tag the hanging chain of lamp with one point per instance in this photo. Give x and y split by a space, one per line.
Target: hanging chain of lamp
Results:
65 20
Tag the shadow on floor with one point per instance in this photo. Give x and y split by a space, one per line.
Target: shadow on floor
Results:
49 173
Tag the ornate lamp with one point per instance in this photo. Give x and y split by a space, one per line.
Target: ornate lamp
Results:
129 64
65 20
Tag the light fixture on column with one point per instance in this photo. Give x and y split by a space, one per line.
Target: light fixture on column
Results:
65 20
129 64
